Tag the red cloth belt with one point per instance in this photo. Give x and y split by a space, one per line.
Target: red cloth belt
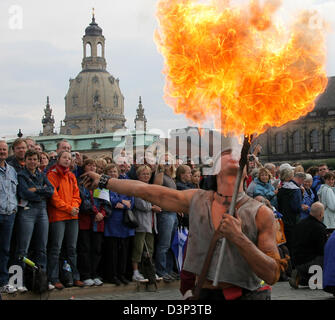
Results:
233 293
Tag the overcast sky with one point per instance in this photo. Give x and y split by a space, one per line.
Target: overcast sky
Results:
38 59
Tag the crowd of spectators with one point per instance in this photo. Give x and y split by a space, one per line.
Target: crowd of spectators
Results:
47 214
304 202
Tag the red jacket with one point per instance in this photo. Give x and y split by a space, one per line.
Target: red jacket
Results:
66 195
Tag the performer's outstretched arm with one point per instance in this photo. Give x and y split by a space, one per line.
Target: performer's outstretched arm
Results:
166 198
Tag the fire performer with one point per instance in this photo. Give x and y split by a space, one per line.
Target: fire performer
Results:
251 253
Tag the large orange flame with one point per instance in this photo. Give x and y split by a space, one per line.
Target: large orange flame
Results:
235 64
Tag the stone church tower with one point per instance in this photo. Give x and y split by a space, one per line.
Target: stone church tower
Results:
48 121
94 102
140 120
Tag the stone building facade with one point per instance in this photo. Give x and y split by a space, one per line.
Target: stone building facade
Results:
310 138
94 102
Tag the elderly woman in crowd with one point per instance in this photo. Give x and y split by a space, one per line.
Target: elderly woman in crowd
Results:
252 185
265 188
309 197
146 215
327 198
117 236
289 203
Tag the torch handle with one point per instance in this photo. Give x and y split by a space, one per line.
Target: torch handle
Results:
231 212
243 162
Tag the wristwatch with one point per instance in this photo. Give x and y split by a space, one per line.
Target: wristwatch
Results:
103 181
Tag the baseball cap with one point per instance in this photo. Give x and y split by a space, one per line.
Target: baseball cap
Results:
286 166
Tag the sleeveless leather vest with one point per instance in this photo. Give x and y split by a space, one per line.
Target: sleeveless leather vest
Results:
234 269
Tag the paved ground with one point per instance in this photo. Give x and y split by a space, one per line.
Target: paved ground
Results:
281 291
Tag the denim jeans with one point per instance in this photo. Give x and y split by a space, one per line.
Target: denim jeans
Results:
33 221
66 230
167 224
6 228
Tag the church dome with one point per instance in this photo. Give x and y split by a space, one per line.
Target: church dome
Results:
93 29
94 102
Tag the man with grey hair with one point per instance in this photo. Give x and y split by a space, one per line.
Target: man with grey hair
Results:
290 198
308 251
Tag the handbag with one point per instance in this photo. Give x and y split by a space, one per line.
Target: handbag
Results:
86 204
129 219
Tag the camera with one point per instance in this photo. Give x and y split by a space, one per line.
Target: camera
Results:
251 158
73 154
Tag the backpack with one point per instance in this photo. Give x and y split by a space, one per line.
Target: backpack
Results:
86 204
36 280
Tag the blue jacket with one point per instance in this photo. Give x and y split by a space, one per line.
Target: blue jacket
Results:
317 182
329 262
114 226
309 199
8 190
265 190
44 189
289 202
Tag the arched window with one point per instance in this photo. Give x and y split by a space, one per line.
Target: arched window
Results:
88 50
297 142
99 50
332 140
315 142
75 100
279 143
116 101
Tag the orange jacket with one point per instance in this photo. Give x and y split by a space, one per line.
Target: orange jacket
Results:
65 197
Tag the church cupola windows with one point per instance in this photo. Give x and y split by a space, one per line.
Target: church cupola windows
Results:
116 100
94 48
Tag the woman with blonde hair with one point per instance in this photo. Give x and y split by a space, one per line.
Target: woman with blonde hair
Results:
101 165
196 177
264 187
117 236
